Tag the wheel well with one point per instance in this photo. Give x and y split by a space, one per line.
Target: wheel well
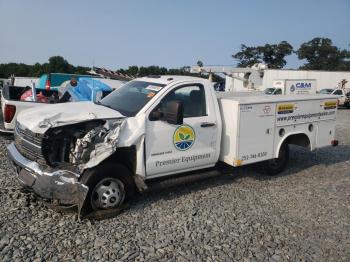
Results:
125 156
299 140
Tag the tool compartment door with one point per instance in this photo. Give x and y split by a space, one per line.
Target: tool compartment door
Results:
256 133
325 133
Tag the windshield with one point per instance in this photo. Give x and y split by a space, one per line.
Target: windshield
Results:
326 91
269 91
131 97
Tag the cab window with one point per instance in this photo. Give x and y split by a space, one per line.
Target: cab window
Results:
278 91
131 97
337 92
192 98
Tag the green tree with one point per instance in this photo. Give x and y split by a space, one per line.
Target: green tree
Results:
272 55
57 64
37 70
321 54
132 70
152 70
248 56
199 63
81 70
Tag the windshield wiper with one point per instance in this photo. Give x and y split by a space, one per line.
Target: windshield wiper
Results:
116 109
99 103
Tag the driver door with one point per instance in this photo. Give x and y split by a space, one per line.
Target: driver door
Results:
178 148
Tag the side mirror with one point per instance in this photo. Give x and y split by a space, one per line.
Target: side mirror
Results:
173 113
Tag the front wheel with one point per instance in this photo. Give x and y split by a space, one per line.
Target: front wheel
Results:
110 185
108 193
276 165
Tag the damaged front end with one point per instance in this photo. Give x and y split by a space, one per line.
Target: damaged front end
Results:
51 164
80 146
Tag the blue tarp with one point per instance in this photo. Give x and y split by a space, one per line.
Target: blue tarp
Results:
89 89
56 79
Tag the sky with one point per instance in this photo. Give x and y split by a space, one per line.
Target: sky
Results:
116 34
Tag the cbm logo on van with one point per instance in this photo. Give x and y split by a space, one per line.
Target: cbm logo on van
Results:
292 88
303 85
184 137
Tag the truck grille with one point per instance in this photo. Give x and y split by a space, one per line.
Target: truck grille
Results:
28 144
28 135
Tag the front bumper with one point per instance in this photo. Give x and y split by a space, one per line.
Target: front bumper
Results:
4 131
62 185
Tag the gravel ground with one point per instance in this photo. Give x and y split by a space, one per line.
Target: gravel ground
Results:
300 215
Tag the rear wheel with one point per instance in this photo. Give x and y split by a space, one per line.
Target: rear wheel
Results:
110 185
276 165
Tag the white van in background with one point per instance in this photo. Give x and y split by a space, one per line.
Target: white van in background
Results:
292 87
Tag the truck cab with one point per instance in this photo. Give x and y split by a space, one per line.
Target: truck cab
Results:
156 126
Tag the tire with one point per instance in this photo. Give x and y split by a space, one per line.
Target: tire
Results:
110 185
275 166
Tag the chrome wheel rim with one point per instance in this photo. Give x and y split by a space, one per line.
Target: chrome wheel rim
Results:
108 193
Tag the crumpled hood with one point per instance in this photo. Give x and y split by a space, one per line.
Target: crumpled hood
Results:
40 119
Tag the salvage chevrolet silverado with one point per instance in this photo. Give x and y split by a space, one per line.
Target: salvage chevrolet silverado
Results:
97 155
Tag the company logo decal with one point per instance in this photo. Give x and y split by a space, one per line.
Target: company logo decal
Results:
267 109
303 85
285 108
184 137
292 88
330 105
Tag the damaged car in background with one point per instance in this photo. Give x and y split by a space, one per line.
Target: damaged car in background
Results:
96 155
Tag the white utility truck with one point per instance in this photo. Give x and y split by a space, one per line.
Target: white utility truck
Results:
97 155
292 87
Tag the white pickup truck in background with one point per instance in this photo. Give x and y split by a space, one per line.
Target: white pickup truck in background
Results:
343 95
97 155
11 104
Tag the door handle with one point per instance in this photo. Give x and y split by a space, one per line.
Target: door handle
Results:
207 124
